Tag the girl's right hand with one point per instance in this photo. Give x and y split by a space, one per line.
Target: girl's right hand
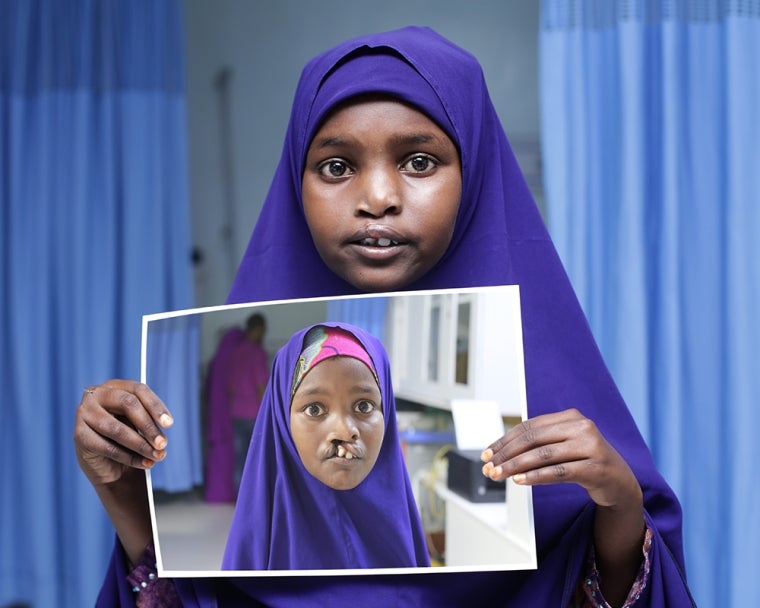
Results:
119 426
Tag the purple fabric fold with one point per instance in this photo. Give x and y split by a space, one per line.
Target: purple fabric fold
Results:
499 238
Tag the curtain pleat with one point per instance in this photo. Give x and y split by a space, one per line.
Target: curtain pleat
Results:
651 141
172 370
94 233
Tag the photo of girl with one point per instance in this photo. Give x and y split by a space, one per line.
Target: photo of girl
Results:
325 485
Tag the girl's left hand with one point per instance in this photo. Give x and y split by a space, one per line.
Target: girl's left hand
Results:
562 447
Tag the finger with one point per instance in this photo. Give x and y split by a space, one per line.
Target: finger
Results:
531 435
553 447
552 418
496 447
542 456
500 446
150 401
561 472
98 446
123 430
523 434
138 406
606 486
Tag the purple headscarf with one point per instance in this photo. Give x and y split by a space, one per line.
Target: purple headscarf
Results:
286 519
499 238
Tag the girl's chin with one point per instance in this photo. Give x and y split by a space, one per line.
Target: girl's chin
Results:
378 280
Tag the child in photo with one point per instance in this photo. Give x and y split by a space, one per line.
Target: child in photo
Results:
325 485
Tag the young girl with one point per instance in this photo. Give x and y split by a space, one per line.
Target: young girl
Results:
369 196
325 485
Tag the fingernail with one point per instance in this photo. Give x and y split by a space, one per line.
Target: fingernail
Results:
159 455
166 420
496 472
160 442
519 478
147 463
486 455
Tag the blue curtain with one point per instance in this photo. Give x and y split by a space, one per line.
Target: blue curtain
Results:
173 371
651 141
367 313
94 233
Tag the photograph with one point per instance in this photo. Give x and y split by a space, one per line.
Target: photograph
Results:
279 464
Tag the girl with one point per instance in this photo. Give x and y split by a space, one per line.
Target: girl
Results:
368 196
325 485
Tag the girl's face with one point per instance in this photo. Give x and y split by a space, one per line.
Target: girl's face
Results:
381 191
336 420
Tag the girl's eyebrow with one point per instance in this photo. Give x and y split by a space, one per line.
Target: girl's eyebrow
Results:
362 389
366 388
328 142
401 139
316 390
414 138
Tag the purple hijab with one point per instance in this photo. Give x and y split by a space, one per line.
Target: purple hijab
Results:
286 519
499 238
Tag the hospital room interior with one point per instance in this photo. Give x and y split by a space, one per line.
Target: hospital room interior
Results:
635 125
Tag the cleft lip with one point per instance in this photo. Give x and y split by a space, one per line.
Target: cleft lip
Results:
335 451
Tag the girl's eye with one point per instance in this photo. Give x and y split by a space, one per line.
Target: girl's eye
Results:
314 409
419 163
365 407
334 168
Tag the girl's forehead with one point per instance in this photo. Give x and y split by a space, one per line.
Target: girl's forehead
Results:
371 100
380 73
376 112
329 377
332 367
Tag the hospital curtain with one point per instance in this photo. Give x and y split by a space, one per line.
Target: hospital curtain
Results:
366 312
173 371
651 143
94 233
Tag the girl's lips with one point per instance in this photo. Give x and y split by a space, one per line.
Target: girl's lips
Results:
345 451
377 235
377 243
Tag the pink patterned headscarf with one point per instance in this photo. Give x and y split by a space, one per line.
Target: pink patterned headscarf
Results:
324 342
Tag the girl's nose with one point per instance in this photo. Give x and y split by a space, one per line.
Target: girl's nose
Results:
344 429
379 195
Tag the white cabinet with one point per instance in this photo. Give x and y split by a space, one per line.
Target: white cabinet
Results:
490 535
458 344
467 344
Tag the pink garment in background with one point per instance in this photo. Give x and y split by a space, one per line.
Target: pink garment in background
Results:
220 458
249 373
